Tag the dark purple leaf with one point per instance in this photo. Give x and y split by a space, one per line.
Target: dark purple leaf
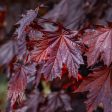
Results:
99 85
7 52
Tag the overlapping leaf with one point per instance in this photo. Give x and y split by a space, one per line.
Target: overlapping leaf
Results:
56 49
36 98
59 11
57 101
25 21
99 85
100 46
17 84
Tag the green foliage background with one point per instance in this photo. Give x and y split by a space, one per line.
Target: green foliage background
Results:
3 91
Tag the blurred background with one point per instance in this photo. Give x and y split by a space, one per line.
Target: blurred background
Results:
74 14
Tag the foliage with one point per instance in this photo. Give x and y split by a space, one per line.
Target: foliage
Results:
44 50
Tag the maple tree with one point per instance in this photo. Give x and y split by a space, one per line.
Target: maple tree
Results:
43 50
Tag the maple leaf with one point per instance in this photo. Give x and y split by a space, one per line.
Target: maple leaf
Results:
24 29
58 12
25 21
100 45
17 85
99 85
36 97
21 33
55 50
57 101
61 12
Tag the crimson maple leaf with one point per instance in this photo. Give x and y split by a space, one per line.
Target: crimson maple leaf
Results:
17 85
99 85
100 45
57 49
